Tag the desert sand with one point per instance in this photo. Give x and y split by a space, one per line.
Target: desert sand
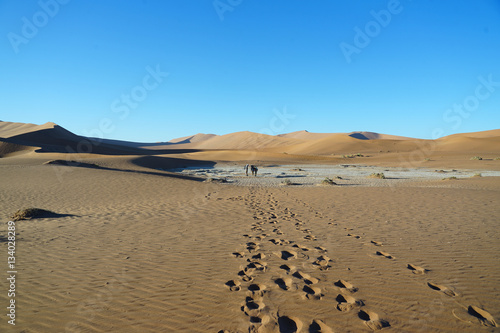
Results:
137 244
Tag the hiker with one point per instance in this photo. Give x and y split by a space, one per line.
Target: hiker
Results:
246 169
254 170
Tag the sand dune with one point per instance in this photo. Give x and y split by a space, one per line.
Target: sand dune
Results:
245 140
193 138
9 129
132 247
51 137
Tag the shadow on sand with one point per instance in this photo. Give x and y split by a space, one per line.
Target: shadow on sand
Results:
162 164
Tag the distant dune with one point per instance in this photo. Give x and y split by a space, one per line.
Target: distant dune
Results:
18 138
193 138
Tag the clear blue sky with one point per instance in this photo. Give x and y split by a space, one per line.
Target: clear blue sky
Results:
414 68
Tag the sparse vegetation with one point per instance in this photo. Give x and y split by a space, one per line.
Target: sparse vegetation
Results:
378 175
451 178
440 171
497 158
427 159
477 175
479 158
338 177
286 182
353 155
30 213
328 181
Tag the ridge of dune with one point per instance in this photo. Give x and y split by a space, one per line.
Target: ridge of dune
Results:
481 135
469 144
245 140
341 143
193 138
304 135
376 136
10 129
51 137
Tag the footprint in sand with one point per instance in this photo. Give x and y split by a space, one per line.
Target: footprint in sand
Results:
280 241
259 320
321 249
376 243
347 303
312 292
447 291
303 248
257 289
246 275
238 254
284 283
257 265
310 237
287 255
289 324
322 262
318 326
259 256
346 285
355 236
252 247
306 277
252 307
287 267
417 269
275 241
372 320
385 254
277 231
485 317
233 285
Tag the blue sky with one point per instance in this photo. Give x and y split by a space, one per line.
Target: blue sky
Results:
154 70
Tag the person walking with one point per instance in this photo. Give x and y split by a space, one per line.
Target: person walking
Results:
254 170
246 169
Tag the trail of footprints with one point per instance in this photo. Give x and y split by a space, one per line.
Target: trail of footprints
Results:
484 317
268 239
266 230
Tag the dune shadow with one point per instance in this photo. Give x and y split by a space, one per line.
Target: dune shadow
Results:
59 140
161 164
359 136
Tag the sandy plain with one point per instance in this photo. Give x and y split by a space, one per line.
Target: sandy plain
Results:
135 248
